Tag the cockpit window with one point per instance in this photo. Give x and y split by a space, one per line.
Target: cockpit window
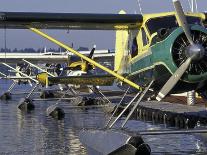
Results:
167 22
134 48
194 20
144 37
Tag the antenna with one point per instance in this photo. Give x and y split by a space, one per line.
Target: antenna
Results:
140 8
45 49
193 5
196 6
5 43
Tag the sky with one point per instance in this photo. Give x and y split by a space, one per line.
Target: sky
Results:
102 39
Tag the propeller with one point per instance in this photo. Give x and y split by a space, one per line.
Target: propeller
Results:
182 21
87 65
173 79
193 51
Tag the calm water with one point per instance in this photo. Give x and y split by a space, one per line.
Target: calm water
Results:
35 133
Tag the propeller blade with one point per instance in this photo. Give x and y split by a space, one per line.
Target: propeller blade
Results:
182 21
174 79
92 52
90 56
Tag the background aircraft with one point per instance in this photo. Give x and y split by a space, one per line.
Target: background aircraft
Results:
53 62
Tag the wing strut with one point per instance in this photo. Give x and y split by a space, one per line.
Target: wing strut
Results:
85 58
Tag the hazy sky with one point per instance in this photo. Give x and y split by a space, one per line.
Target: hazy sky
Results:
103 39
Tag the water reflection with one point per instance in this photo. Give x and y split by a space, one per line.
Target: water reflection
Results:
35 133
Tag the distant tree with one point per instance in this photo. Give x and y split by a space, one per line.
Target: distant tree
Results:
15 50
83 49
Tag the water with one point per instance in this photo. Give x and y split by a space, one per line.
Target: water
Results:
35 133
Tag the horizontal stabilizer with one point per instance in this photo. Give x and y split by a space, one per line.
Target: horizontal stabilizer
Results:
100 80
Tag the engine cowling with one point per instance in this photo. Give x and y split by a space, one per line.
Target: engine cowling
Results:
179 52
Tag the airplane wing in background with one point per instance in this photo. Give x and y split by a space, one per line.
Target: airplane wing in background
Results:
32 57
22 20
42 58
17 78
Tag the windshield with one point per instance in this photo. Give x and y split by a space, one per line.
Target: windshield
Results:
167 22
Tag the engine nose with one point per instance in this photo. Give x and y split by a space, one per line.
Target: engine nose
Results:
195 50
182 50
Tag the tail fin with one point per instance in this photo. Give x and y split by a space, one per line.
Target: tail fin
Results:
43 78
121 50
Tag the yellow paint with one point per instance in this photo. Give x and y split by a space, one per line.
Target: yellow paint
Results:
84 67
81 65
146 17
121 48
200 15
43 78
86 58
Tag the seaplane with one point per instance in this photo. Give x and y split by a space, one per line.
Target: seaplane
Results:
163 52
171 54
54 63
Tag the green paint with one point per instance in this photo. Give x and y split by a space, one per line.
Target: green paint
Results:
160 54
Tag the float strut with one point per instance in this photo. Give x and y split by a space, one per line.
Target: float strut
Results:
55 111
69 89
117 107
12 86
33 89
99 91
25 75
31 64
3 74
72 91
124 110
25 103
137 103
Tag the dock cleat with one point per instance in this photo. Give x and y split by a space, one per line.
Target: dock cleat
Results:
26 105
6 96
55 112
46 94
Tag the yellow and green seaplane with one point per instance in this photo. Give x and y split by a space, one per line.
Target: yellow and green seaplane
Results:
166 52
169 48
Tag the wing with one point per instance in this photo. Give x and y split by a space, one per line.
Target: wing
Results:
32 57
50 58
98 80
21 20
17 78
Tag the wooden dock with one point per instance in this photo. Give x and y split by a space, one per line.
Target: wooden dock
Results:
177 114
174 114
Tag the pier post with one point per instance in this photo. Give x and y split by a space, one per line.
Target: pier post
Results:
191 97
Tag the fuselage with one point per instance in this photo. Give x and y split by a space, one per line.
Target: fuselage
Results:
161 45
